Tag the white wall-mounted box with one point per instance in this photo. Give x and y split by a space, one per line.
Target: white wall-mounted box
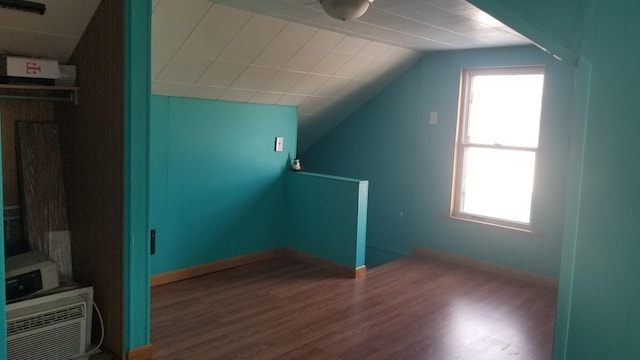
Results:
23 67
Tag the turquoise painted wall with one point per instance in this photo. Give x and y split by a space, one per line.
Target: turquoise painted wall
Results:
136 202
327 217
599 295
604 320
378 143
217 187
409 163
537 252
3 313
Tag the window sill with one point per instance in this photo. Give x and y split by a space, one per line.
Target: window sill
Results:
478 221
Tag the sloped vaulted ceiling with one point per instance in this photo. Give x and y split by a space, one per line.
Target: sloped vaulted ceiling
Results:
52 35
290 52
273 52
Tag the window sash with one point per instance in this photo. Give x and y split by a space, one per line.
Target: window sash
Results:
491 188
462 144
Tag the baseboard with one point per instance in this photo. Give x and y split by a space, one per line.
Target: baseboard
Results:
141 353
341 269
487 266
360 271
199 270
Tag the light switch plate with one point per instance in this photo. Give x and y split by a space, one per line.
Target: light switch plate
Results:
433 118
279 144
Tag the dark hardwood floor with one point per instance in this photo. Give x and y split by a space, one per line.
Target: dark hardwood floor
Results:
413 308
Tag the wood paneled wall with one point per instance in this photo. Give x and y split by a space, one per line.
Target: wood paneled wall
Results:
12 111
93 156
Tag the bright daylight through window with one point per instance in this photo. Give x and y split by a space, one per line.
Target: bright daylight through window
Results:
498 127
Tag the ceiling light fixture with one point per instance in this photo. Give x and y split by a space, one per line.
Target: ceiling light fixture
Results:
345 9
22 5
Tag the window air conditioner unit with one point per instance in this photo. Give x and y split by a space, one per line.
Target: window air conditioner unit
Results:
52 327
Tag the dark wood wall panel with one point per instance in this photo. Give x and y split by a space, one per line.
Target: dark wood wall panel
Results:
92 146
12 111
42 190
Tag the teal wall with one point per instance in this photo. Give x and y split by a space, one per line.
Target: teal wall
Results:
136 202
217 186
537 252
378 144
3 313
327 216
409 163
604 319
599 295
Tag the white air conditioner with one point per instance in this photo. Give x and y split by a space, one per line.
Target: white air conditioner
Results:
52 327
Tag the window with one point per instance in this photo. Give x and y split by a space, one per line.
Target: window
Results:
496 146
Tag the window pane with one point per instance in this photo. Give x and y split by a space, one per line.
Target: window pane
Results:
505 110
498 183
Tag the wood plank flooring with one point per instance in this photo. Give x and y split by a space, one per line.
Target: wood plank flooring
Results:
413 308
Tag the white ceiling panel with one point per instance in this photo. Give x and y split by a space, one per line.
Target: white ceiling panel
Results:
283 81
314 105
331 87
306 58
291 99
158 61
55 21
396 22
351 45
285 45
354 67
351 88
254 37
168 88
237 95
214 33
309 84
264 97
254 78
25 43
373 49
222 73
172 23
278 51
205 92
299 12
53 35
184 69
325 39
289 52
331 63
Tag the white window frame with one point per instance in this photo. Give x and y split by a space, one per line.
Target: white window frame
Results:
462 144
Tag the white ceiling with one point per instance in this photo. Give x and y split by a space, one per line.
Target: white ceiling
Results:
285 52
52 35
423 25
290 52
